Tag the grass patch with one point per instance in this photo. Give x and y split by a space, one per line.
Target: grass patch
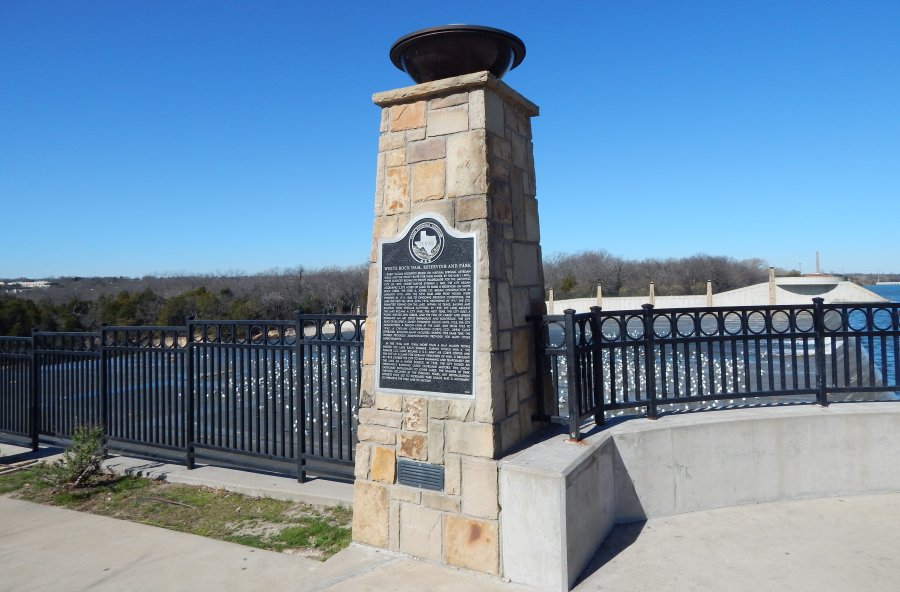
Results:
14 481
317 534
263 523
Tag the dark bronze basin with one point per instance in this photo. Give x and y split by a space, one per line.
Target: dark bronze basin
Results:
452 50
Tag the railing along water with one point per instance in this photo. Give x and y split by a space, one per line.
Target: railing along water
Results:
66 376
660 360
16 404
144 379
330 356
274 395
243 384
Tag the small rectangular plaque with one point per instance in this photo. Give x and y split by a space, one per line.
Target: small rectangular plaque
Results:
421 475
426 333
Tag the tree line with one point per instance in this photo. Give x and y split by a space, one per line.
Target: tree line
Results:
577 275
83 304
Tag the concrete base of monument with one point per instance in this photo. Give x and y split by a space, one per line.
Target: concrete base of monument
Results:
560 499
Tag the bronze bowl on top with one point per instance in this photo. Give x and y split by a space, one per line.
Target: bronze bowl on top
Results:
453 50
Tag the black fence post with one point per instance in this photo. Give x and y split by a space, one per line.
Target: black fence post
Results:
819 316
572 376
299 398
189 397
34 412
104 389
597 372
650 361
540 374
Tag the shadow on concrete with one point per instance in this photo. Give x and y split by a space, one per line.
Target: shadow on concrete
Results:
43 452
619 538
628 504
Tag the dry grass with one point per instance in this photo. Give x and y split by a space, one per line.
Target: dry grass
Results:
275 525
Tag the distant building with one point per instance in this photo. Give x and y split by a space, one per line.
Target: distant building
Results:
14 287
798 290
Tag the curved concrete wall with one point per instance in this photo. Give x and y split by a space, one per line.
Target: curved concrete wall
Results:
560 499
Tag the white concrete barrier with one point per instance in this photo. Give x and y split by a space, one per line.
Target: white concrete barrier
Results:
560 499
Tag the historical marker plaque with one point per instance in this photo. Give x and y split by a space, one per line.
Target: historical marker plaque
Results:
426 339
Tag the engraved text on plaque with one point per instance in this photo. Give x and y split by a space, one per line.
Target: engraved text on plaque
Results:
426 324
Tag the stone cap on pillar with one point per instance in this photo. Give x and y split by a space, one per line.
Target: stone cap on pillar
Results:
462 83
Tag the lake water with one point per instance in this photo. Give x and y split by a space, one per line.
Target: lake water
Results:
890 292
893 294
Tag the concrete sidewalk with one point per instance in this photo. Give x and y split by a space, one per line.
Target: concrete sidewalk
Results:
43 548
819 545
822 545
832 545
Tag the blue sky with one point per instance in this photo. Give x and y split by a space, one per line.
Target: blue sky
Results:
141 137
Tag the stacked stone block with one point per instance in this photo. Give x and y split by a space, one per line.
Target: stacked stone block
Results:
459 148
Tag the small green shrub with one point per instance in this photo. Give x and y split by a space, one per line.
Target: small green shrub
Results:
82 463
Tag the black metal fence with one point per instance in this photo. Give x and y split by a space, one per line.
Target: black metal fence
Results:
273 395
16 404
67 382
148 394
598 364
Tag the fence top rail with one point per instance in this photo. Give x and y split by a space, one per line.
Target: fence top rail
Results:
66 342
130 339
260 322
15 347
109 328
84 334
764 308
716 323
331 317
253 334
331 329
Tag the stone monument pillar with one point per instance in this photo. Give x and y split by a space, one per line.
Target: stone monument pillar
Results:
448 383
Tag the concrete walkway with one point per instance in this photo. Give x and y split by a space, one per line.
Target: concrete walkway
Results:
823 545
837 545
43 548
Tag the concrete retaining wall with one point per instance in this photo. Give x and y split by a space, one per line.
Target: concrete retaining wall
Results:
560 499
